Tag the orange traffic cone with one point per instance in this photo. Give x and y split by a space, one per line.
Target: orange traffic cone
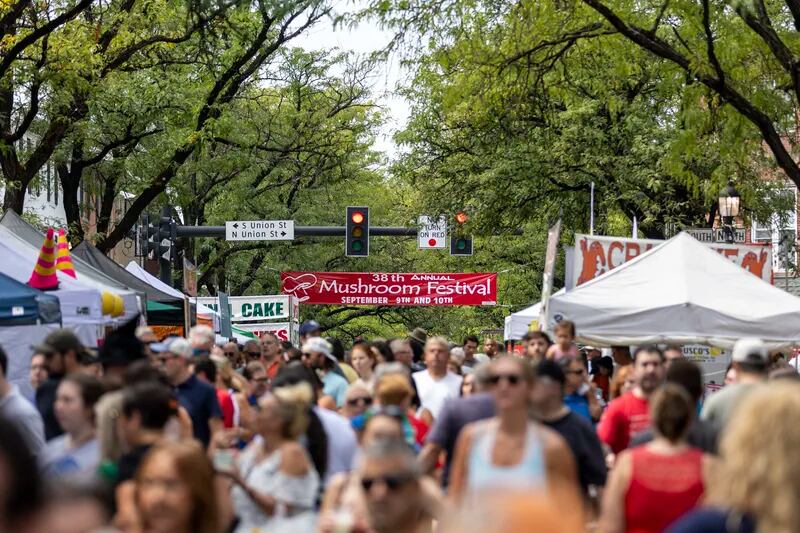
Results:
44 276
63 258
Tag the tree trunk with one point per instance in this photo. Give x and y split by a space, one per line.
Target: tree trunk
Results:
69 187
106 204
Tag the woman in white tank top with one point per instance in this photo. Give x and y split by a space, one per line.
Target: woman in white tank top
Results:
509 452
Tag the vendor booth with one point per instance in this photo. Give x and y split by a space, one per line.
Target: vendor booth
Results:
17 233
27 315
680 292
80 304
204 315
163 309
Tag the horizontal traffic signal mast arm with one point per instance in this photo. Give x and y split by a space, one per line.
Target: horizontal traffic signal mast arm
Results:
302 231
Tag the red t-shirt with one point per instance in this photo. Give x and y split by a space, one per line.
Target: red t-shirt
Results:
226 404
662 488
273 368
625 416
420 427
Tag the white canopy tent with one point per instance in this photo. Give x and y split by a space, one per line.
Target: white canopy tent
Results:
153 281
683 292
517 324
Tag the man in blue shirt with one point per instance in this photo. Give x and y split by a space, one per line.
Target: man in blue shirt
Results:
579 393
317 355
198 398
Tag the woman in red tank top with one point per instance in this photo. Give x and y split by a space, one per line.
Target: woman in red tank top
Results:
653 485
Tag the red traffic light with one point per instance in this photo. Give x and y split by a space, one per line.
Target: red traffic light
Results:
461 217
357 217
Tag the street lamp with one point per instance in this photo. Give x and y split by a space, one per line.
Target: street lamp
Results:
728 210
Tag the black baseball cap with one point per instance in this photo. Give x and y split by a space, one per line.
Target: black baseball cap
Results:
62 341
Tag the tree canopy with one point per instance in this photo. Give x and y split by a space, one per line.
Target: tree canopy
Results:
517 111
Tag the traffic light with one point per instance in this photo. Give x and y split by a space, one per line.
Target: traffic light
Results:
356 239
460 242
460 245
166 237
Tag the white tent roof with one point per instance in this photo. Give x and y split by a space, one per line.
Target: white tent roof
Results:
516 324
681 291
153 281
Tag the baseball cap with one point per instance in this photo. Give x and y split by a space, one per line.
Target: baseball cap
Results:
175 345
60 341
309 326
319 345
750 350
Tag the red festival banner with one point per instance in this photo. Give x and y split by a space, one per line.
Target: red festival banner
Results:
380 288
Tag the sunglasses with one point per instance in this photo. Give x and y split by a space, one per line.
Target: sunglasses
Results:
576 372
254 355
392 482
261 380
229 354
352 402
512 379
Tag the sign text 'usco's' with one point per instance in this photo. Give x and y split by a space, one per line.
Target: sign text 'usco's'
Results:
382 288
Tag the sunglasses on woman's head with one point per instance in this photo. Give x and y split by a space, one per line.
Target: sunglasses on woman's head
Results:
392 482
512 379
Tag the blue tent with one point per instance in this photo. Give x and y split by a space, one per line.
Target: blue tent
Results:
21 305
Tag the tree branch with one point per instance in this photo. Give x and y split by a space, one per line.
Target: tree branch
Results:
749 110
11 55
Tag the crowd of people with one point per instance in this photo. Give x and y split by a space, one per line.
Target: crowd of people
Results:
411 434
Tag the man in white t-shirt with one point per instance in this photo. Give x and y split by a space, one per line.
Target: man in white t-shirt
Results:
436 383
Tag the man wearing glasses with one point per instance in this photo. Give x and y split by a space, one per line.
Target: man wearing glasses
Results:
579 392
252 351
390 479
231 352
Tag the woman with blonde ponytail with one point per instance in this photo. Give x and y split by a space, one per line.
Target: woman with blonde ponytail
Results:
275 484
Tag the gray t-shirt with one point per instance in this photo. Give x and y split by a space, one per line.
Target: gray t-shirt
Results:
720 406
14 407
58 460
342 442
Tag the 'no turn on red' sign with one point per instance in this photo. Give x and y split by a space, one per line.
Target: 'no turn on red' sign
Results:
432 233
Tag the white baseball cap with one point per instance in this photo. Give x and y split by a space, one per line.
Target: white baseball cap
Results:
750 350
319 345
180 347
